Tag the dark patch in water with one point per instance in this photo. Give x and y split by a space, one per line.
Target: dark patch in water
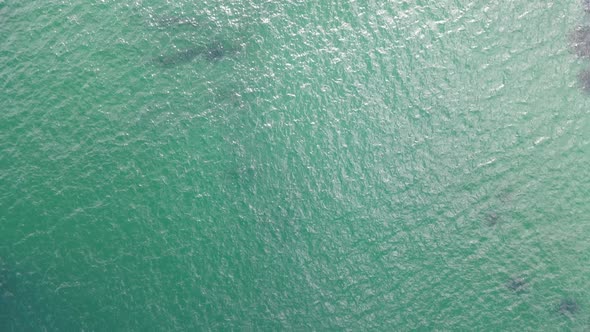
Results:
213 52
584 80
586 5
177 58
568 306
517 284
173 21
492 218
580 41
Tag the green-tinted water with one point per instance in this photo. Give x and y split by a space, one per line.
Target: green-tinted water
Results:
290 165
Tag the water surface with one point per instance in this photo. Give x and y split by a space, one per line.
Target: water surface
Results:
288 165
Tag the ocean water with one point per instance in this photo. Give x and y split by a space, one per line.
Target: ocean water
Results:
293 165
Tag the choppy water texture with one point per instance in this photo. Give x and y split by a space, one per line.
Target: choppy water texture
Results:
293 165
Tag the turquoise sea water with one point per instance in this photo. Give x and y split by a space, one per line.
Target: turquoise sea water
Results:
293 165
